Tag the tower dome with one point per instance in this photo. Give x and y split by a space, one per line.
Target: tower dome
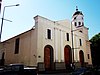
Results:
78 13
77 18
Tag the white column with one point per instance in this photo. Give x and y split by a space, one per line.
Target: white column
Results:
75 50
56 49
61 48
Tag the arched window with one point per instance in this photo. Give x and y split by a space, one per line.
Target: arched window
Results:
75 23
67 36
79 23
49 33
17 45
80 42
82 23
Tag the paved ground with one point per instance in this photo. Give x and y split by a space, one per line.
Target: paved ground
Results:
56 74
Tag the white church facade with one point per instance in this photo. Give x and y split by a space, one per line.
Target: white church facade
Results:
50 44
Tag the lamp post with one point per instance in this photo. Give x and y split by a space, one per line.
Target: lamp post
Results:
72 43
5 19
72 39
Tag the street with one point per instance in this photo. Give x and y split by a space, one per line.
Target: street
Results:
56 74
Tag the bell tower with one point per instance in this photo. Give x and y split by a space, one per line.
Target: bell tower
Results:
78 18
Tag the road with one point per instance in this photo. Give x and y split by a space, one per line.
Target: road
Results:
56 74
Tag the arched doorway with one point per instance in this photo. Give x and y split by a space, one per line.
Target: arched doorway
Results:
67 55
2 60
48 57
81 56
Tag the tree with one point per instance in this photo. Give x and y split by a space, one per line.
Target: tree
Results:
95 49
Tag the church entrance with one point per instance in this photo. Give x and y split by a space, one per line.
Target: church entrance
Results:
2 60
67 56
81 56
48 57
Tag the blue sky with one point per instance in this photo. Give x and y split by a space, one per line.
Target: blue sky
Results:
22 16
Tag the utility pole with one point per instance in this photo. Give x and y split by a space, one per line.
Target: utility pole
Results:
5 19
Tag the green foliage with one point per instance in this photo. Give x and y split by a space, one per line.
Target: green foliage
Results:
95 49
95 38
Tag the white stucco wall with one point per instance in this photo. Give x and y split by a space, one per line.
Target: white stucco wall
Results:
58 41
32 42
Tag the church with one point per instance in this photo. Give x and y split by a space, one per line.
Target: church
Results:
50 44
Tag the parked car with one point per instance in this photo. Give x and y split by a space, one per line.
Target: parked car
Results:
18 69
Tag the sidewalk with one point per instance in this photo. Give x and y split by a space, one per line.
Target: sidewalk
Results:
54 72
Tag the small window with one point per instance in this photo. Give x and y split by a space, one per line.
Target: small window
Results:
80 42
82 23
67 36
48 33
17 46
88 56
75 23
81 31
79 23
74 18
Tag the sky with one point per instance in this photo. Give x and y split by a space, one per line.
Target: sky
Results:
22 16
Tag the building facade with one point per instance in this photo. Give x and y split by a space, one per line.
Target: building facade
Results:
48 44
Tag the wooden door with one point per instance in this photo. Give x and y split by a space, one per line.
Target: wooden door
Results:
81 56
67 55
47 58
